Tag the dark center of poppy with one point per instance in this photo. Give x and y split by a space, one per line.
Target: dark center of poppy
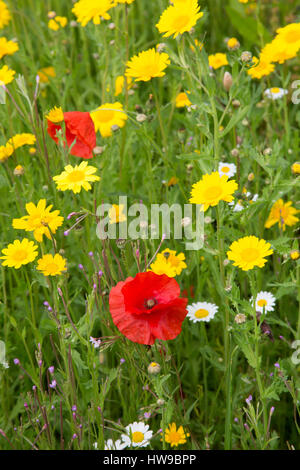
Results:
150 303
166 255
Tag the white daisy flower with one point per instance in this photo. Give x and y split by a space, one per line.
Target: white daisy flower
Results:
228 169
201 311
117 445
137 435
275 93
265 301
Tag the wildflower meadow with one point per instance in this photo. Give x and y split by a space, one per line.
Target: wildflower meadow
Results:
149 254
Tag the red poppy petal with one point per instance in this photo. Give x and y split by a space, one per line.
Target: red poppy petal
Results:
52 130
81 126
146 286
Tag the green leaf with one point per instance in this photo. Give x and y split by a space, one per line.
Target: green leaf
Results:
236 118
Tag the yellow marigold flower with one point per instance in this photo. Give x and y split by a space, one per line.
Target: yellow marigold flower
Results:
289 36
5 15
283 213
87 10
45 73
5 152
233 43
55 115
179 18
296 167
262 67
249 252
212 189
51 265
277 51
108 115
19 140
182 100
169 263
217 60
57 23
53 25
40 220
119 84
7 47
174 436
116 214
19 253
6 75
295 254
147 64
77 177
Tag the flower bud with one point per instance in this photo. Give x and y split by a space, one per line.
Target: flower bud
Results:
227 81
154 368
246 56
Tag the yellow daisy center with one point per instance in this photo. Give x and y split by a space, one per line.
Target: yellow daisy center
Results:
225 169
105 116
201 313
137 436
262 303
179 22
292 36
20 255
275 90
250 255
76 176
213 192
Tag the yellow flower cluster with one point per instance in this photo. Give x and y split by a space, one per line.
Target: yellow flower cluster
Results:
15 142
284 46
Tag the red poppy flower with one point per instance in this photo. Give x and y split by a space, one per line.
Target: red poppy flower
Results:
79 126
148 307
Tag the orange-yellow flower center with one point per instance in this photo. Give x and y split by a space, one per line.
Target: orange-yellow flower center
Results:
292 36
174 437
201 313
249 255
20 255
137 436
275 90
225 169
213 192
262 303
180 22
105 116
76 176
52 268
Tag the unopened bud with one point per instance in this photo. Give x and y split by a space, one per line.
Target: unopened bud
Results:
246 56
154 368
227 81
235 152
